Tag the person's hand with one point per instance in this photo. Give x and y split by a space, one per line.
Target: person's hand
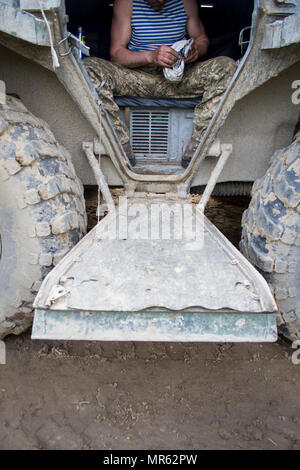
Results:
164 56
193 55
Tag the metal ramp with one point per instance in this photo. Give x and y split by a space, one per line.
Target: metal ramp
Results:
132 279
124 288
115 285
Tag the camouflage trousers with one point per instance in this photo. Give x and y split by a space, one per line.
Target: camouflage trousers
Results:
208 79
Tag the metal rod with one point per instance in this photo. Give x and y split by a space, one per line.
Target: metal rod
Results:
100 178
226 152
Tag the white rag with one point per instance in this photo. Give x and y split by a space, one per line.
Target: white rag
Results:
175 73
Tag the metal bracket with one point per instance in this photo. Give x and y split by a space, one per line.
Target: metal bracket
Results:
75 43
62 42
79 45
242 43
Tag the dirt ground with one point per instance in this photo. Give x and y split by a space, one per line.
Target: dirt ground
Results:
81 395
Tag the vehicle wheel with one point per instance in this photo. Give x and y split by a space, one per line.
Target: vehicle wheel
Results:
42 211
271 234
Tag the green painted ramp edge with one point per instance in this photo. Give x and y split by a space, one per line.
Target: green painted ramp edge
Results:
154 326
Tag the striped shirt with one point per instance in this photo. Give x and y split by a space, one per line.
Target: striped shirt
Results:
151 29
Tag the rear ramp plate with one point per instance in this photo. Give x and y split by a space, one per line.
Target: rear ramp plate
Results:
125 287
154 326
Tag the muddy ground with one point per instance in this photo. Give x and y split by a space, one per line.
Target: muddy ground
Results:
67 395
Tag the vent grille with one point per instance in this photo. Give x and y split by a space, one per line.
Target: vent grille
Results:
149 130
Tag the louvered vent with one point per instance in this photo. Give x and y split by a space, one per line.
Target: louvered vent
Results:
149 130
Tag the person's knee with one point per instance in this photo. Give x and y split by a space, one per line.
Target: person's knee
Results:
99 70
225 64
215 69
220 71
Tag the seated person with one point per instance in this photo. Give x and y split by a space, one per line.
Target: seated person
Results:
142 34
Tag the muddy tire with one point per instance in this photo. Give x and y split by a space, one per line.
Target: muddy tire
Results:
42 211
271 234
